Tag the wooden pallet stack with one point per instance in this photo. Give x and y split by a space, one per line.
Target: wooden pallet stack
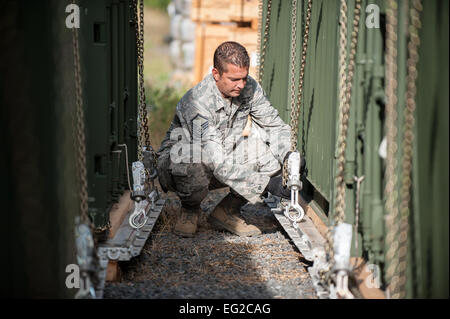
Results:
219 21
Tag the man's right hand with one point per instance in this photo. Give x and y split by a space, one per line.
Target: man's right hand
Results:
302 163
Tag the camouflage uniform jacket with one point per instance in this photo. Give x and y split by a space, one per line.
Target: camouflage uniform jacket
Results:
207 128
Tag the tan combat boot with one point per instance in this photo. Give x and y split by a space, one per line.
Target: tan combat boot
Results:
186 226
227 216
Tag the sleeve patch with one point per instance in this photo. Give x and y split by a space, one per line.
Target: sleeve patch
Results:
200 125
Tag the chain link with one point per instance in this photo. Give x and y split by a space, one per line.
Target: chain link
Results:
285 172
296 102
345 92
80 139
295 110
84 240
143 136
342 82
258 39
263 49
138 53
346 73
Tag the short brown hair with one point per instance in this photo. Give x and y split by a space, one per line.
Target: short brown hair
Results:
230 52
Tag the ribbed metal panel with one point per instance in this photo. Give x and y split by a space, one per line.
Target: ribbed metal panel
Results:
110 86
317 121
430 223
318 127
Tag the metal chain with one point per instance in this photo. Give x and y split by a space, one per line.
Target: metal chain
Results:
295 103
407 143
138 53
346 73
285 172
390 190
79 133
263 49
345 93
84 241
342 81
293 69
143 136
295 111
258 39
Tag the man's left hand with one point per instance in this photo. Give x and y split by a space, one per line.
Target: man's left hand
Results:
275 187
302 162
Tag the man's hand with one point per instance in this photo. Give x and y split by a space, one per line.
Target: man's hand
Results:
275 187
302 163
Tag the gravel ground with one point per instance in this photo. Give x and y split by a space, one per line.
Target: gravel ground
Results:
215 264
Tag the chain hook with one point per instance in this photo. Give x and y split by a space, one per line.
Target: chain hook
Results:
293 164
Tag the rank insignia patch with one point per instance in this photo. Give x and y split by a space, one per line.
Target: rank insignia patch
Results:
200 126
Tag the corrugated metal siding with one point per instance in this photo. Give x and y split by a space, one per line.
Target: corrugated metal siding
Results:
319 101
430 236
110 86
318 127
276 70
317 123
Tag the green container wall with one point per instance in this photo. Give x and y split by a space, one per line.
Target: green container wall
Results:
431 161
318 127
319 87
37 172
37 164
108 45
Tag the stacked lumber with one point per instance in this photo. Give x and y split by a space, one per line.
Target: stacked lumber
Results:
225 11
220 21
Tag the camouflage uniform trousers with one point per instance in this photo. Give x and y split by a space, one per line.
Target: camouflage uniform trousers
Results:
190 181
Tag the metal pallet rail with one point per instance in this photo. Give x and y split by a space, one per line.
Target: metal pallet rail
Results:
128 241
308 240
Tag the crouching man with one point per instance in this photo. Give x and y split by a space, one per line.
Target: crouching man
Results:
224 133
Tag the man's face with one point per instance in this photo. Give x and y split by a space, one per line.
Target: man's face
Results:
231 82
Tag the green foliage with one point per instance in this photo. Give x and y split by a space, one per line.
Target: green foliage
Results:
157 4
162 102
